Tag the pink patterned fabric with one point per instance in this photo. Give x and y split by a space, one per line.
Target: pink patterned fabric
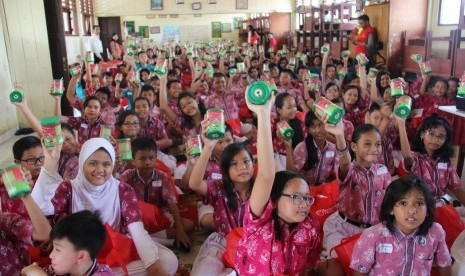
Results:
120 167
157 190
213 170
362 192
260 253
95 270
364 103
226 101
130 211
108 116
173 104
380 252
354 116
85 130
239 92
327 162
15 236
184 130
153 129
294 92
224 219
68 166
438 175
430 104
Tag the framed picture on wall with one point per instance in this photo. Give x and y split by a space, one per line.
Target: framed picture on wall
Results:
156 4
236 22
155 30
216 29
242 4
130 27
144 31
226 28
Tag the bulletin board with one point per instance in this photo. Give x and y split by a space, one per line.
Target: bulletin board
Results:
194 33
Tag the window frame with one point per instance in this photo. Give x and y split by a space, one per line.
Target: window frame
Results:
87 11
70 7
440 13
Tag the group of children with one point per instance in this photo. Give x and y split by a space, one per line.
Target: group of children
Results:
251 178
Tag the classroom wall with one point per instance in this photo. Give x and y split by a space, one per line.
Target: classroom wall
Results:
25 55
439 48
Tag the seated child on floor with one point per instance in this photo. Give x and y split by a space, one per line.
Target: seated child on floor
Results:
77 240
152 186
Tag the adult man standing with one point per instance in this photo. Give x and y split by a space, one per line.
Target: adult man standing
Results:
96 44
364 37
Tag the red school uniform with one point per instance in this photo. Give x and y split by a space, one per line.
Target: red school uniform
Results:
68 166
226 101
260 253
157 190
85 130
153 129
362 192
15 236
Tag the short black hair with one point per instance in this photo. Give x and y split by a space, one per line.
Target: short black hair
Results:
107 74
95 26
396 191
104 90
23 144
373 107
139 144
454 79
83 229
142 99
364 17
147 88
92 98
169 83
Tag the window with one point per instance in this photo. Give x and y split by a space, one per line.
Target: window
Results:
69 17
449 12
87 9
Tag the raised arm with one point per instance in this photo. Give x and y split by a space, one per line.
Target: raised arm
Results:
341 147
404 143
71 90
266 171
196 181
29 116
40 225
170 115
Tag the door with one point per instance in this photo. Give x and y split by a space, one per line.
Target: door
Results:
57 46
108 26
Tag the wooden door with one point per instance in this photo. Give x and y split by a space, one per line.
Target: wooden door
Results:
108 26
57 46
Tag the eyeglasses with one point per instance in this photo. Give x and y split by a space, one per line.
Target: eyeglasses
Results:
131 124
297 199
437 137
32 161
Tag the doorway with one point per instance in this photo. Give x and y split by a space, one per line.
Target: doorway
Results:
108 26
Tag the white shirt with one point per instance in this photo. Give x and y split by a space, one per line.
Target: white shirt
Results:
96 45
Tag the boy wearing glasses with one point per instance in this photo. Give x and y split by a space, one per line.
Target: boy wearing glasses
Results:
27 152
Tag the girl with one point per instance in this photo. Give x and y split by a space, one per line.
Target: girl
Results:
95 189
352 113
331 91
315 157
431 156
285 86
229 195
286 110
151 127
382 82
278 233
407 239
430 102
362 183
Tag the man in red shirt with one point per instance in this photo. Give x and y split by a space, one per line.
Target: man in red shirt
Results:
272 42
363 35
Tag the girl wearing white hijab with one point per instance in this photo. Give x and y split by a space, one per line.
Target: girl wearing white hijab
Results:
95 189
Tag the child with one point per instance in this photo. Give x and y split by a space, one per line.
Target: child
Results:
407 240
77 240
152 186
315 157
17 233
331 91
130 92
147 91
88 125
285 85
278 233
453 88
107 79
95 189
222 98
228 196
352 113
151 127
286 110
431 102
431 155
362 184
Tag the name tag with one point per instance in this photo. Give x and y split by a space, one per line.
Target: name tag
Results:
84 125
385 248
381 171
217 176
435 106
442 166
156 183
330 154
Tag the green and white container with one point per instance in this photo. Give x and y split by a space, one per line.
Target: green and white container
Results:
285 130
323 106
57 87
17 95
51 131
105 132
404 107
258 92
124 149
215 130
14 181
362 59
397 87
195 145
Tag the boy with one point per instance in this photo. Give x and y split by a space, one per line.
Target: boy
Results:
17 233
77 240
143 62
107 79
152 186
147 91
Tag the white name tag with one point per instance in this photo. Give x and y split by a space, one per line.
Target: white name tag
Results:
84 125
217 176
381 170
330 154
442 165
156 183
385 248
